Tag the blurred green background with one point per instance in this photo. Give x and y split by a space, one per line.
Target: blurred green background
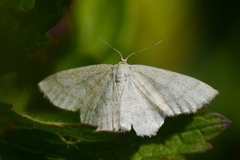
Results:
203 42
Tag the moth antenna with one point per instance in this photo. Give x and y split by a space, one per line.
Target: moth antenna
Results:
146 48
141 50
112 47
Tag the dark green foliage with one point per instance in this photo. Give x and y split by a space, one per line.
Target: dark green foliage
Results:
179 136
30 20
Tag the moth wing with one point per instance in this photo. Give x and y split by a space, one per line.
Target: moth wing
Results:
137 112
180 93
90 89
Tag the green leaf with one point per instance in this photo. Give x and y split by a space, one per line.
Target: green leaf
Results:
192 138
179 136
23 29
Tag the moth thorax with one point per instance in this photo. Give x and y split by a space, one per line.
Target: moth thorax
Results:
122 76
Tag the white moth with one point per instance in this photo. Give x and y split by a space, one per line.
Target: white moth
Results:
122 96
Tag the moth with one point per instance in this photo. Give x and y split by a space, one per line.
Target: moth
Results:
122 96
